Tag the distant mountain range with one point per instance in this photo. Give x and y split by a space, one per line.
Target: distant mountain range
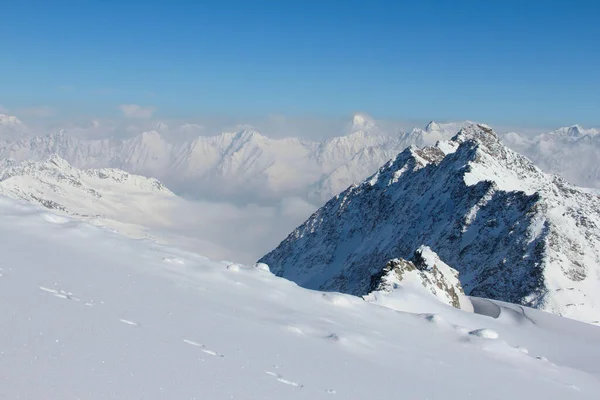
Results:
238 163
143 208
513 232
573 152
248 165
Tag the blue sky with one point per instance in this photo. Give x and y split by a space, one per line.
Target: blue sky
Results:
527 63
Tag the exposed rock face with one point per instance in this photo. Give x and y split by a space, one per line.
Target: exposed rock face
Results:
513 232
425 268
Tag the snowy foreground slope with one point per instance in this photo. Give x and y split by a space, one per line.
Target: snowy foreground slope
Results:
86 313
513 232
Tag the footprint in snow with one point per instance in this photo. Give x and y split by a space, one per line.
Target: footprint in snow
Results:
484 333
62 294
283 380
128 322
191 342
203 348
233 267
333 337
173 260
55 219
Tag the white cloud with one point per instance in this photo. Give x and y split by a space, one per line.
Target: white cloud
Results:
137 111
224 230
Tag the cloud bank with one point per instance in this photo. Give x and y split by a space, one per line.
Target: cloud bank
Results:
136 111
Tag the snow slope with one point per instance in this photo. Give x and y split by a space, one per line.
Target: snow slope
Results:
513 232
90 314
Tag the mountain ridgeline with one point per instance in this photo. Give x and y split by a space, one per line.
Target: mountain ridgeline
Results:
232 164
512 232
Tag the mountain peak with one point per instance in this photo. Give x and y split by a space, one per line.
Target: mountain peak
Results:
478 132
160 126
433 126
248 134
151 134
57 161
574 131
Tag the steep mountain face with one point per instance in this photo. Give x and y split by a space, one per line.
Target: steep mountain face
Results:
513 232
237 163
572 152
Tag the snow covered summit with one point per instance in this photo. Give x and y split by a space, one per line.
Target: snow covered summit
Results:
513 232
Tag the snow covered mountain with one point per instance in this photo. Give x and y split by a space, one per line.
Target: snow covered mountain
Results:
246 163
86 313
243 162
141 207
108 197
513 232
573 152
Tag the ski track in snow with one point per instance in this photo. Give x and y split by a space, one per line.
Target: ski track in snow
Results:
62 294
